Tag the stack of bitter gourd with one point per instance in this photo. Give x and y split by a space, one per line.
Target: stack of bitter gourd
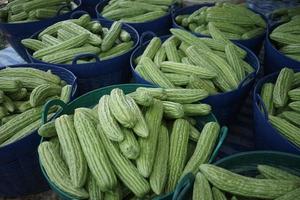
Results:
285 14
136 11
184 60
216 183
18 11
286 38
61 42
139 144
23 92
282 102
235 21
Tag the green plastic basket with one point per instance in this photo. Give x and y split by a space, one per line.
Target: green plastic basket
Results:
90 99
246 163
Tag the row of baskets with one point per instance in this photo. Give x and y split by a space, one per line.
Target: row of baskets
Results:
15 32
19 166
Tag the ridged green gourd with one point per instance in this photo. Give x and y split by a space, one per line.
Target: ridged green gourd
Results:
282 86
42 92
121 110
185 96
196 109
140 128
48 129
124 168
173 110
109 124
271 172
205 146
94 151
57 170
71 149
178 152
153 117
159 175
16 124
29 73
201 189
94 191
218 194
129 147
246 186
111 37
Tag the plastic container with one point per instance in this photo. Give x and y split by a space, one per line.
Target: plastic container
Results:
245 164
160 26
19 167
100 73
91 99
15 32
274 59
253 44
89 6
267 137
230 103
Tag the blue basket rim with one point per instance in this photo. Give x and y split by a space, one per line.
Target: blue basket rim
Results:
99 20
168 14
273 48
79 4
255 152
249 52
257 88
210 5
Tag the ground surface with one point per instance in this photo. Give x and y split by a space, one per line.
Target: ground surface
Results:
43 196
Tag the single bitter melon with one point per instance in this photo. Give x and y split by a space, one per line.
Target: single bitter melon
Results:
71 149
246 186
148 145
94 151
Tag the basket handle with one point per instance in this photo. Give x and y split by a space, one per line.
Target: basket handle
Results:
247 79
223 135
149 34
86 55
183 186
260 103
49 105
172 10
61 9
77 14
74 88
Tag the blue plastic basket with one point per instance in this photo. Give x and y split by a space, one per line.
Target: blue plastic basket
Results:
160 26
267 137
246 164
274 59
253 44
230 103
20 173
91 99
100 73
89 6
15 32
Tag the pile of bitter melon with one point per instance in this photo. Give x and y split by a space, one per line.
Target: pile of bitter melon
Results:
213 182
136 11
23 92
282 102
184 60
17 11
139 144
236 22
63 41
286 38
